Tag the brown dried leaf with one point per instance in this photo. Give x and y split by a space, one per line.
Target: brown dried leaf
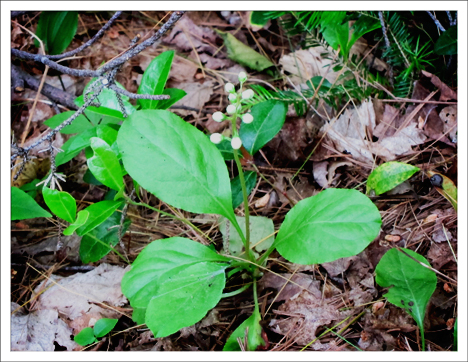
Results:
302 281
439 255
197 95
449 116
339 266
446 93
320 170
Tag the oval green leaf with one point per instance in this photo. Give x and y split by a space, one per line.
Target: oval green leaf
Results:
411 285
389 175
98 213
80 123
447 42
104 326
104 165
141 283
268 119
24 206
236 188
175 94
176 162
334 224
61 203
74 145
85 337
155 78
56 29
254 334
184 296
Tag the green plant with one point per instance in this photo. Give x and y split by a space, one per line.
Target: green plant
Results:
90 335
174 282
56 29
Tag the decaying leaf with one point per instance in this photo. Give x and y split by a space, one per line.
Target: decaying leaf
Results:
449 116
446 92
197 95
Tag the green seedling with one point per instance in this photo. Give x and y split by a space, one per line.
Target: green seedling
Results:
90 335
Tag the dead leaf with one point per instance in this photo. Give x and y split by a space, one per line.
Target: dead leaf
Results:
439 255
301 281
262 202
37 331
197 95
446 93
320 170
449 116
339 266
186 35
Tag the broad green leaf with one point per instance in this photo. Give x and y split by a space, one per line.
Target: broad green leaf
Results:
244 54
56 29
74 145
259 18
98 213
445 187
176 162
85 337
389 175
141 283
254 334
89 178
335 33
184 296
175 94
80 124
61 203
81 219
362 26
30 188
447 42
107 133
104 326
333 224
155 78
95 244
104 165
236 188
108 99
24 206
261 234
410 284
268 119
100 115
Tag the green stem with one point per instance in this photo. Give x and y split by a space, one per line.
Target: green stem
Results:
257 308
185 221
235 292
246 207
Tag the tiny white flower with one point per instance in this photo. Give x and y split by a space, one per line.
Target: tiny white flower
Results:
218 116
247 94
216 138
232 97
247 118
229 87
236 143
231 109
105 81
242 77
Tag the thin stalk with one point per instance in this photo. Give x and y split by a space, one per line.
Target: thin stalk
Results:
235 292
257 309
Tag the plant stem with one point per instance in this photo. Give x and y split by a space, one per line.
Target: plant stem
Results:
235 292
246 207
257 309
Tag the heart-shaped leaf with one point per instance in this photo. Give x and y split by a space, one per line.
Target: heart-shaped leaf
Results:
154 79
411 285
389 175
176 162
61 203
268 118
250 327
333 224
104 165
24 206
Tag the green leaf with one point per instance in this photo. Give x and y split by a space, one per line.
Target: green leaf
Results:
30 188
61 203
104 165
335 33
108 99
24 206
142 282
80 124
226 150
268 119
81 219
104 326
259 18
333 224
236 188
155 78
447 42
74 145
85 337
56 29
411 285
107 133
100 115
445 187
254 334
176 162
261 234
363 25
98 213
244 54
455 335
389 175
95 244
184 296
175 94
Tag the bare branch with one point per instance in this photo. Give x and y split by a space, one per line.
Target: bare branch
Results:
138 96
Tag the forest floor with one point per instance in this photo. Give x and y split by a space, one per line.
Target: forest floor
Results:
299 162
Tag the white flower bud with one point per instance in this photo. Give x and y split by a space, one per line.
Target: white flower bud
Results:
247 118
236 143
216 138
229 87
242 77
232 97
231 109
218 116
247 94
105 81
